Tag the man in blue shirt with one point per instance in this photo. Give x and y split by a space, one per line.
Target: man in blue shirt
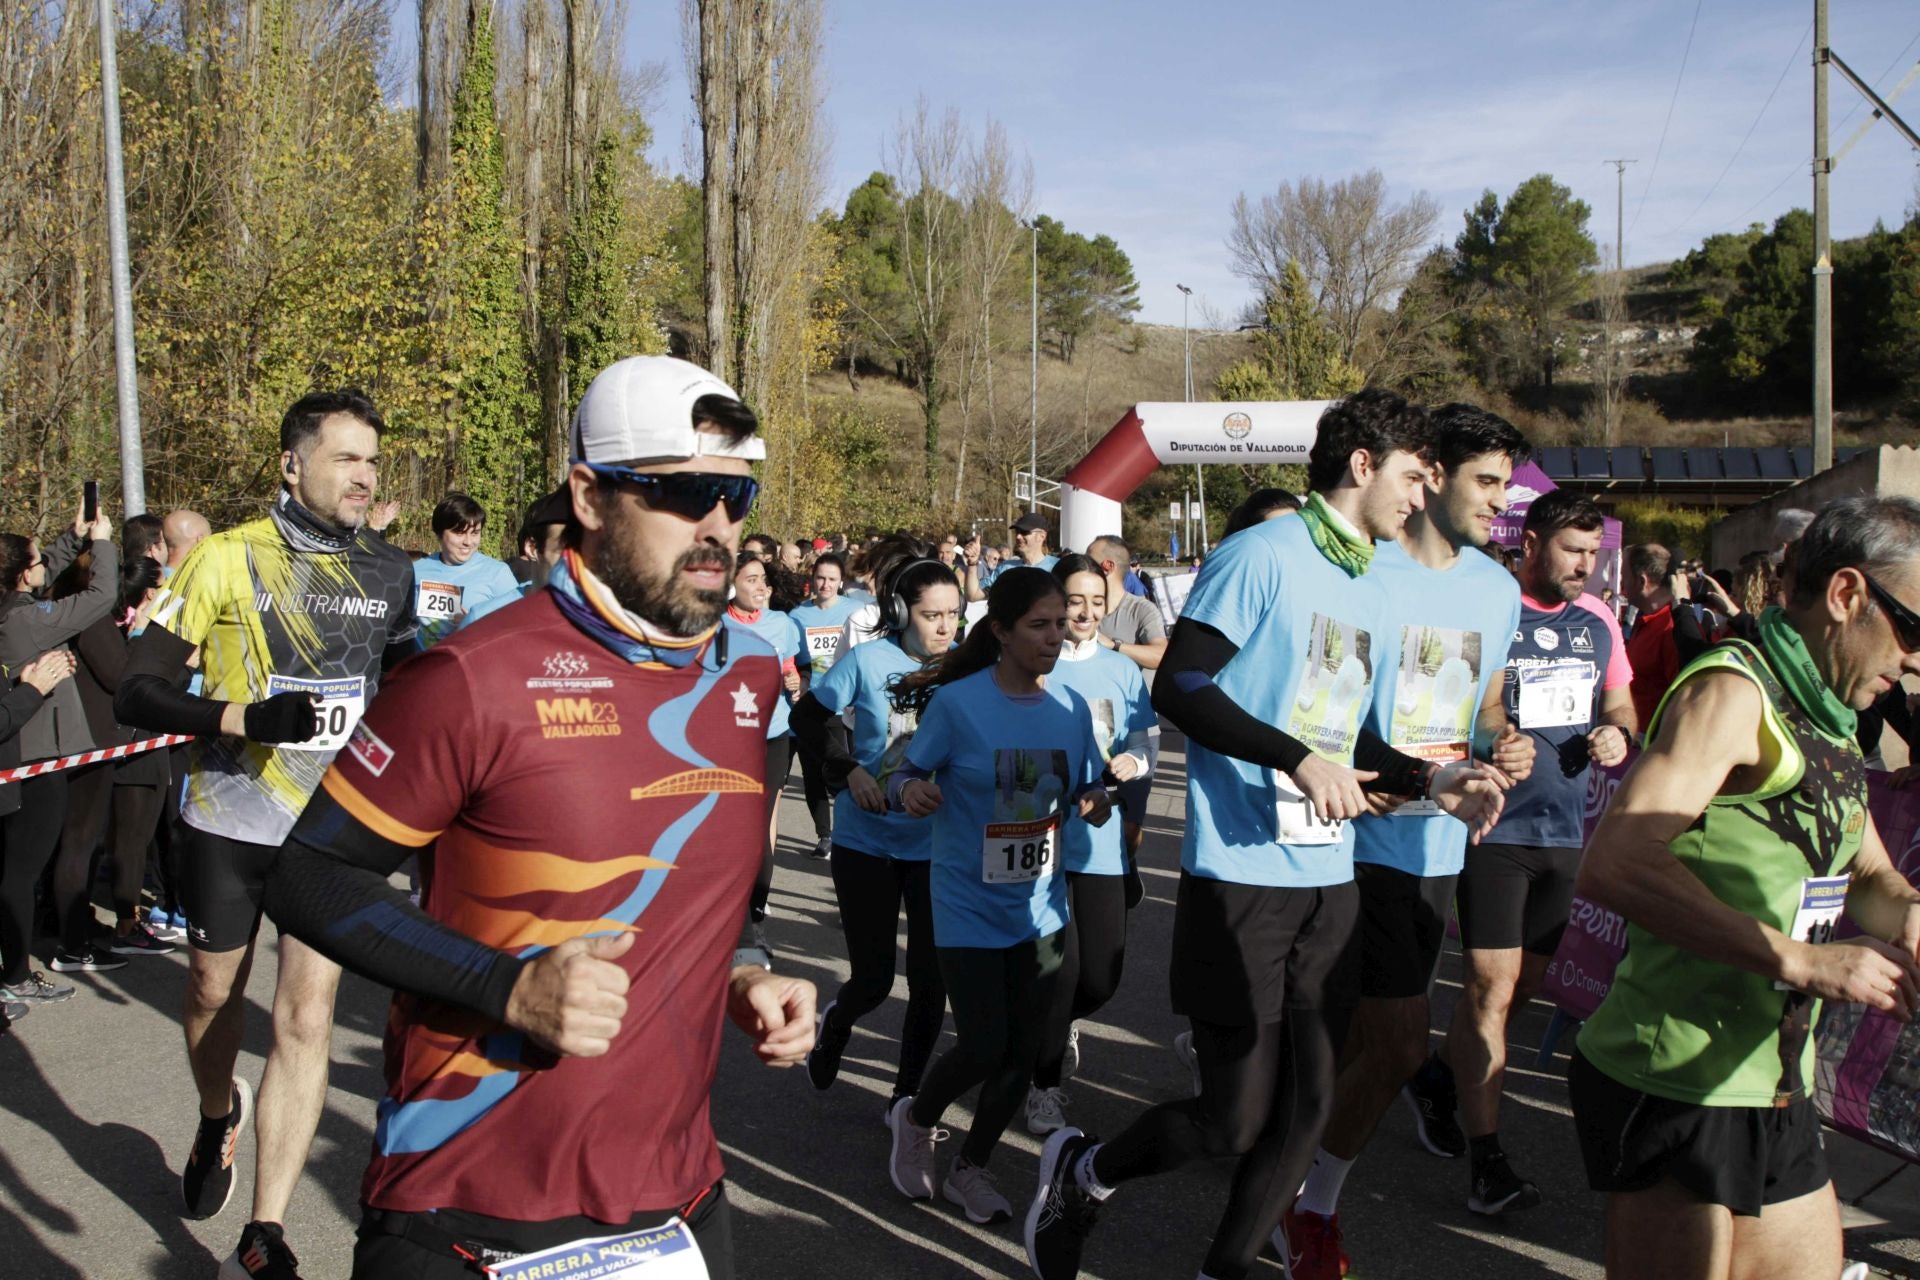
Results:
1269 674
449 583
1453 610
1030 533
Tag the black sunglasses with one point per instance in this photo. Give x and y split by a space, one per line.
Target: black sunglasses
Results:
1906 623
687 493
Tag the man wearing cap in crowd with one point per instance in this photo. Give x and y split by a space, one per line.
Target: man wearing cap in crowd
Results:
567 870
1030 548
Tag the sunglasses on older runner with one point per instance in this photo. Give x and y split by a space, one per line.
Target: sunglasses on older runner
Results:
687 493
1906 623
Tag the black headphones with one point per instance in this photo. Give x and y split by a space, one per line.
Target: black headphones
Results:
893 610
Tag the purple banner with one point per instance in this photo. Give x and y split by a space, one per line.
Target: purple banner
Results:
1596 938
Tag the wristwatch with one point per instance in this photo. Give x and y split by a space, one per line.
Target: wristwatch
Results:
753 955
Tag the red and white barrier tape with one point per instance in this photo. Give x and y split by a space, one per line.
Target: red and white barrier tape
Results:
58 763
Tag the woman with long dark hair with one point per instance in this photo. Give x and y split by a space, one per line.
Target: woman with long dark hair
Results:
1101 880
881 859
29 627
1002 762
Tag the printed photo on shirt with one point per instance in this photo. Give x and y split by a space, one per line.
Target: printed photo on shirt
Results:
1332 693
1104 732
900 730
1028 784
1433 698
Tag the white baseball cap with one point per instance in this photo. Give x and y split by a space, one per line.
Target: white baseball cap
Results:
640 410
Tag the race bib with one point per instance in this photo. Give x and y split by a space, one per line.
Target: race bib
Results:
666 1252
1822 900
1019 852
1295 822
437 602
823 646
342 702
1560 693
1442 754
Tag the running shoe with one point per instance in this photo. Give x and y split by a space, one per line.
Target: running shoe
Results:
1430 1095
1070 1060
160 925
1497 1188
206 1184
823 1060
11 1011
35 989
1046 1110
1183 1050
973 1189
140 941
88 959
1309 1246
1062 1212
911 1163
262 1255
823 848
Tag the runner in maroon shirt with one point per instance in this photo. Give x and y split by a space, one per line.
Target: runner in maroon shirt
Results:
580 775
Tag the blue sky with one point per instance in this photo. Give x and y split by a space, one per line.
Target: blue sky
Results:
1145 120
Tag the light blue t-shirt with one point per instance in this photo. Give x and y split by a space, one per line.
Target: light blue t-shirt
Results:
880 737
1445 636
493 604
442 592
1309 638
1007 771
1123 721
987 576
819 631
777 629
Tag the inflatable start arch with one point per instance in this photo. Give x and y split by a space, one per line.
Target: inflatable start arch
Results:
1156 435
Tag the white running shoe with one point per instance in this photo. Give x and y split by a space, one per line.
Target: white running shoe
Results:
1046 1110
972 1188
1183 1050
1070 1060
911 1163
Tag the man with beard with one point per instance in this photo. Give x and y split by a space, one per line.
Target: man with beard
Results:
1567 686
290 614
529 1105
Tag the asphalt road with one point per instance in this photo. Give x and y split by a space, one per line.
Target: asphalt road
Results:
96 1113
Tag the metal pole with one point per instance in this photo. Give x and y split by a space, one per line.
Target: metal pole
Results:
133 472
1186 339
1033 379
1822 253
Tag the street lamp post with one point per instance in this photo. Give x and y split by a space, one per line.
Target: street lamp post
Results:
1186 339
1033 377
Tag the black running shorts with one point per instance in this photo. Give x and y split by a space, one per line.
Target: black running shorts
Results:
1514 895
225 887
1744 1158
1403 926
1244 954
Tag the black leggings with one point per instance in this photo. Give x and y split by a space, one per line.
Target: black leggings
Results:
1265 1092
1096 951
779 760
1000 998
91 799
871 890
813 777
169 838
27 841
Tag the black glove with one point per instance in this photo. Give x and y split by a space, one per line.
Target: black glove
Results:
292 716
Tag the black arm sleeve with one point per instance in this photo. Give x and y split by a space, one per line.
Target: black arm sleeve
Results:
1690 639
825 734
149 696
1184 692
329 889
19 705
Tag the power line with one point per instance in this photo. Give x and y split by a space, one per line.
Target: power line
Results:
1760 115
1800 168
1671 104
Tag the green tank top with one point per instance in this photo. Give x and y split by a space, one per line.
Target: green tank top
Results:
1680 1025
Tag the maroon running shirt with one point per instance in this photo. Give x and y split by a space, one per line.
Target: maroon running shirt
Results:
556 790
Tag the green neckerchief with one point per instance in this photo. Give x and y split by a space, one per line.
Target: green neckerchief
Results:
1336 539
1787 654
